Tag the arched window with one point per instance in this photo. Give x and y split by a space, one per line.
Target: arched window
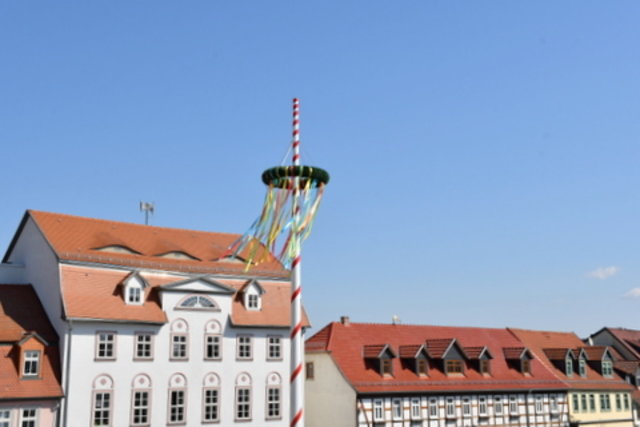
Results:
212 341
141 401
274 397
177 404
198 302
243 397
179 340
211 398
102 401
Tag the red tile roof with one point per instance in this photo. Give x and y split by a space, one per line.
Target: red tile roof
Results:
91 293
538 341
345 343
76 238
21 317
513 353
21 312
438 347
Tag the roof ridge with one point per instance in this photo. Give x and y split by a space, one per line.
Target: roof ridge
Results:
111 221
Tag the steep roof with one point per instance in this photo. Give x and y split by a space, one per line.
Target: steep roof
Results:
75 238
21 318
630 338
20 313
345 344
550 346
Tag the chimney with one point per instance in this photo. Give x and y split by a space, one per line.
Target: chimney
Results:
345 320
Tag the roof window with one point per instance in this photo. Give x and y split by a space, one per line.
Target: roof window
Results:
179 255
117 249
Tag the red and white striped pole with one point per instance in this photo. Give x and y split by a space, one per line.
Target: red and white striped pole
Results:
297 349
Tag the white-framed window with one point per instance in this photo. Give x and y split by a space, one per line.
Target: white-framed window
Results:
513 405
244 347
101 414
198 302
626 401
605 402
569 366
415 408
450 407
105 345
274 348
211 405
498 405
252 302
553 404
177 406
618 402
213 347
576 402
607 368
583 402
5 418
28 417
179 346
396 409
482 406
274 403
243 403
539 404
433 407
582 367
592 402
378 410
140 408
143 346
466 407
31 366
134 294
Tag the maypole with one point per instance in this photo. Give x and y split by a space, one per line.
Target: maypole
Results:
292 201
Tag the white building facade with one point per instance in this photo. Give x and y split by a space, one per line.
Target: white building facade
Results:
153 337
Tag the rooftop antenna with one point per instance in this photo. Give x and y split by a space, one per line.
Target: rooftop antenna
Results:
148 209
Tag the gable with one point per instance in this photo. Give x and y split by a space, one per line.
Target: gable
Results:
454 353
202 285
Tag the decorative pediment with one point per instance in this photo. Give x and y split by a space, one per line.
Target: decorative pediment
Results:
199 284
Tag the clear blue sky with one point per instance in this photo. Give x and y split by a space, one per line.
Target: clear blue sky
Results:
484 154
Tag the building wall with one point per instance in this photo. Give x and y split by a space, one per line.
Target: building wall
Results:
329 400
613 417
229 371
45 411
416 410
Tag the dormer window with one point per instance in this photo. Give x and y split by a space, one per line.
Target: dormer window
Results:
415 358
252 292
386 367
582 367
518 358
568 363
453 366
525 366
380 358
485 367
31 366
134 286
607 368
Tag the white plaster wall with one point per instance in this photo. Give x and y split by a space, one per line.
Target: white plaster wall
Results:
46 411
85 368
329 399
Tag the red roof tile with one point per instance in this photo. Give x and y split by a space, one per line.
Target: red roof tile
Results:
21 318
629 337
538 341
78 239
345 344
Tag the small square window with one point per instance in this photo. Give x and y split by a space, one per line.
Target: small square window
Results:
244 347
143 346
105 345
28 417
252 302
274 348
213 347
31 367
309 369
179 347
